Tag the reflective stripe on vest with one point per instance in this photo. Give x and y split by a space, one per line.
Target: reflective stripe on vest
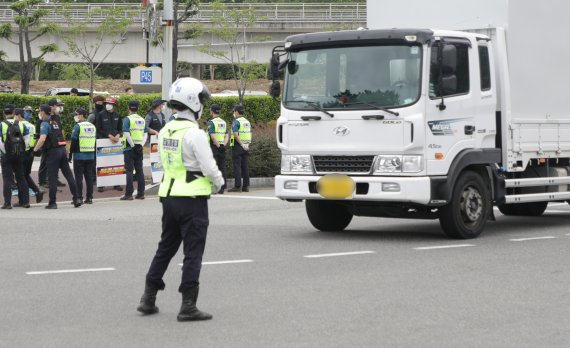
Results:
219 130
174 183
244 131
32 132
86 137
5 128
137 125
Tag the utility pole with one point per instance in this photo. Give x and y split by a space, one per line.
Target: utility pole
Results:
168 18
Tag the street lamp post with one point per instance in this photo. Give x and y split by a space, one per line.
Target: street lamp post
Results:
168 18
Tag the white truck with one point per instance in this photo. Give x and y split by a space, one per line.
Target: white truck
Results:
429 123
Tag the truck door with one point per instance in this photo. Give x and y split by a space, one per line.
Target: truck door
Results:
451 110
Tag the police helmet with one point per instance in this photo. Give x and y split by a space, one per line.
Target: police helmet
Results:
188 93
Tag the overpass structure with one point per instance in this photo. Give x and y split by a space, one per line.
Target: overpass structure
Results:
274 22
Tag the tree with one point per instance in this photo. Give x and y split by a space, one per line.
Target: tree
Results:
28 17
109 26
229 25
183 10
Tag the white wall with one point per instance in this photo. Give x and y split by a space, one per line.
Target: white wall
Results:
437 14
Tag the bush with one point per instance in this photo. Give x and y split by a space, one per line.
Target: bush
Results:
265 156
258 109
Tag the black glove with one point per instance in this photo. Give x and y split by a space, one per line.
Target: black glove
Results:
138 149
222 147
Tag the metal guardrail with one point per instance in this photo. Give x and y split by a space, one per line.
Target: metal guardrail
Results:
277 12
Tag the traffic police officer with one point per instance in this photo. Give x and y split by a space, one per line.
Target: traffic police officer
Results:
53 143
13 166
83 154
135 132
190 176
218 136
28 158
241 138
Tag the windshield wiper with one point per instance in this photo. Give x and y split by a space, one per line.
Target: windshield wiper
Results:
375 106
315 105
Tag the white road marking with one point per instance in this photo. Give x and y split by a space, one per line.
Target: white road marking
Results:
223 262
243 197
557 211
71 271
445 246
531 238
339 254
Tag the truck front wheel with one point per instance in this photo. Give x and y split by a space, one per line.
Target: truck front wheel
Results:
328 216
466 214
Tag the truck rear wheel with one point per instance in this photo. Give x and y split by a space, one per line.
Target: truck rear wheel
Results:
328 216
523 209
466 214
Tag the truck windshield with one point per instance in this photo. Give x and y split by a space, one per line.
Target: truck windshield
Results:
353 77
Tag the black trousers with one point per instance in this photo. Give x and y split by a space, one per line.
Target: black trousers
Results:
13 167
134 161
240 158
27 162
184 220
84 168
42 171
220 157
56 159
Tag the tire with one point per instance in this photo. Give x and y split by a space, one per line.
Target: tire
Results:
523 209
466 214
328 216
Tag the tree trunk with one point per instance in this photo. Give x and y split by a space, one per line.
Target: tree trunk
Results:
91 84
24 82
30 60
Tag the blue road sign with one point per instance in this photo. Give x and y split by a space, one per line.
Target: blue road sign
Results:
146 76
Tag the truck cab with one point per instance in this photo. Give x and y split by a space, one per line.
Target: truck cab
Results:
372 122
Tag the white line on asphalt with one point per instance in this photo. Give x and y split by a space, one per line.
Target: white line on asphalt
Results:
445 246
223 262
71 271
557 211
243 197
339 254
531 238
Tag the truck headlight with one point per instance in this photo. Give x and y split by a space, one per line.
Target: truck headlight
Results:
388 164
296 164
412 164
398 164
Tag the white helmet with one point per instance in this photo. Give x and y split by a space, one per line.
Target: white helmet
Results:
189 92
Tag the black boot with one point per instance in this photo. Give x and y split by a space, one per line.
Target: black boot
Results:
148 299
188 310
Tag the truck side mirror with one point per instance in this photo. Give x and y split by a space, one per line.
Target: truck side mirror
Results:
275 89
448 81
274 66
449 60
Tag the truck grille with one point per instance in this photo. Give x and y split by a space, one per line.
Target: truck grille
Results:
343 164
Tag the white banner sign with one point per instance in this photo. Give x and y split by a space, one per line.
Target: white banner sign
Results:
155 164
110 163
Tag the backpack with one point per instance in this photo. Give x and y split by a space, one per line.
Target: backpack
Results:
14 144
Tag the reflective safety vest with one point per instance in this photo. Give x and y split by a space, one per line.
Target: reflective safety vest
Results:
136 126
244 131
220 130
32 131
87 137
5 128
177 181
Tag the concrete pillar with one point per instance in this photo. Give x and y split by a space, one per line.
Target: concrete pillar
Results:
196 71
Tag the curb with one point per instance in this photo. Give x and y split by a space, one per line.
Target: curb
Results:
152 189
